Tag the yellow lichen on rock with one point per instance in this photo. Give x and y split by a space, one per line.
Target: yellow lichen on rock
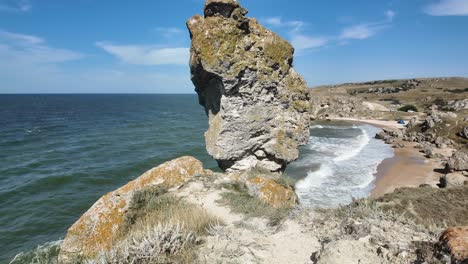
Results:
99 228
271 192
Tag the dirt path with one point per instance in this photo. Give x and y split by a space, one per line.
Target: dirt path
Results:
249 240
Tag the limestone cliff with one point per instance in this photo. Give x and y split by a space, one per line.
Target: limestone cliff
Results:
256 102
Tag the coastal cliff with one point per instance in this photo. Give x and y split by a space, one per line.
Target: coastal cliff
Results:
259 110
256 102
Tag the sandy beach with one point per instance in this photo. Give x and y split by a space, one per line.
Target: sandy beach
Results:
407 168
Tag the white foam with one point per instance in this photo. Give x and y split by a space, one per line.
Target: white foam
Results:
355 147
315 178
347 165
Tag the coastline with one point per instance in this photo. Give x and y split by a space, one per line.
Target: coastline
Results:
407 168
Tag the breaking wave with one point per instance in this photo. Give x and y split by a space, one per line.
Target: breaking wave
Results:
338 164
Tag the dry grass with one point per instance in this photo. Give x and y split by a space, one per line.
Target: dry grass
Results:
429 206
240 201
159 228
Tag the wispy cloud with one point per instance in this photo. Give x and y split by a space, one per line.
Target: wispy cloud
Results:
362 31
367 30
15 6
147 54
303 42
447 8
168 32
32 49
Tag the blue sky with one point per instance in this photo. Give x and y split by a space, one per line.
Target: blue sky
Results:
104 46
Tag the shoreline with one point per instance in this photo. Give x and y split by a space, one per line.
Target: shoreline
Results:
407 168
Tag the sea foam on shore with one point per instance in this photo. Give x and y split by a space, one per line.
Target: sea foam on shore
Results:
338 164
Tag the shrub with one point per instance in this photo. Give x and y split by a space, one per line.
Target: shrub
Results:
407 108
159 228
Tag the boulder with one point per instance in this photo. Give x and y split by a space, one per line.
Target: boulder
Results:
464 132
454 242
458 162
271 192
413 122
257 104
98 229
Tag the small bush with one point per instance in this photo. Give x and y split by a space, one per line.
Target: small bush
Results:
164 243
159 228
407 108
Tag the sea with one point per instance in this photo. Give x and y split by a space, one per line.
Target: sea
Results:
60 153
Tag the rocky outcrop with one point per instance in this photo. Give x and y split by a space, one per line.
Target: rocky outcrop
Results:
334 104
454 242
98 229
455 105
271 192
458 162
256 102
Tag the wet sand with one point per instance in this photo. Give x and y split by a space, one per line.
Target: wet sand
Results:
407 168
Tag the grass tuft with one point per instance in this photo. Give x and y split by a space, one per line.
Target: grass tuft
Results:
240 201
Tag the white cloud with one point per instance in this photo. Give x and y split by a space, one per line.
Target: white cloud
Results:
357 32
390 14
20 38
20 6
169 32
147 55
448 8
293 25
273 21
302 42
32 49
365 31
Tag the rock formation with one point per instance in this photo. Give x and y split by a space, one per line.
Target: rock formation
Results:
256 102
454 242
98 229
458 162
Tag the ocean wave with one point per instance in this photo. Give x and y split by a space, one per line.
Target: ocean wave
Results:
355 147
46 253
348 158
315 178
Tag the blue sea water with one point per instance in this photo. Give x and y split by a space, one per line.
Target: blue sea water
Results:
60 153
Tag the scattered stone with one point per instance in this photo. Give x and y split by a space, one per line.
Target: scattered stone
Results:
412 123
455 179
428 151
99 227
458 162
253 97
454 242
464 132
454 105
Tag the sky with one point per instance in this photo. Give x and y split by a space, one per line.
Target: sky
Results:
112 46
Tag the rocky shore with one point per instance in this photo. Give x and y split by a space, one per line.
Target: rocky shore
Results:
259 111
